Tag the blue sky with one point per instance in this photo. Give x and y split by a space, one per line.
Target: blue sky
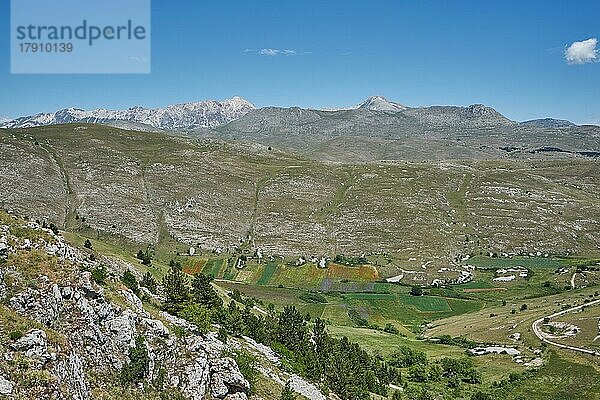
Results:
506 54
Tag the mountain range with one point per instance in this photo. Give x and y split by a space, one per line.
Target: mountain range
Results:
214 113
376 129
208 113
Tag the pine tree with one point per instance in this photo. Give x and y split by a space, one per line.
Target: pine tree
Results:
139 362
292 328
203 293
320 337
149 282
130 281
176 290
234 320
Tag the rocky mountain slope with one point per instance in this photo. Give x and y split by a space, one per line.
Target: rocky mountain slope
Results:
383 130
149 187
65 336
184 116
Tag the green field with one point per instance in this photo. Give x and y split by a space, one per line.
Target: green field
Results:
213 267
369 296
426 303
565 377
268 272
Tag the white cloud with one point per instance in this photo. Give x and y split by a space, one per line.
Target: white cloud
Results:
583 52
269 52
273 52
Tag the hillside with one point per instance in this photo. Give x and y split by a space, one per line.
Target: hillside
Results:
392 132
66 336
493 245
151 187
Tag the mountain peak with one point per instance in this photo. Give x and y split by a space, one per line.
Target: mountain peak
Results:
380 103
481 110
239 102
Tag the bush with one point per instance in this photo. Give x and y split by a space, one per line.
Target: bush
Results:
287 393
54 228
160 379
197 315
130 281
416 291
389 328
139 363
311 297
406 356
15 335
350 261
145 256
172 394
236 295
357 319
418 373
222 335
99 274
462 369
87 244
247 364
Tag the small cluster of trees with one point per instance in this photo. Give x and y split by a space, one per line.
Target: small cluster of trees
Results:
312 297
351 261
197 302
406 357
145 257
416 290
128 279
453 371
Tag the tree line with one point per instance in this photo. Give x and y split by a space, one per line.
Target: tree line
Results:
307 348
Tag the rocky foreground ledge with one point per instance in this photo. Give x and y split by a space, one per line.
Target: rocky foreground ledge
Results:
65 337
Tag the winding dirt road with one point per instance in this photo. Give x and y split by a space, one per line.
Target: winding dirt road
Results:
538 331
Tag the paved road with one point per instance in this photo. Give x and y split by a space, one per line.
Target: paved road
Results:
538 331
